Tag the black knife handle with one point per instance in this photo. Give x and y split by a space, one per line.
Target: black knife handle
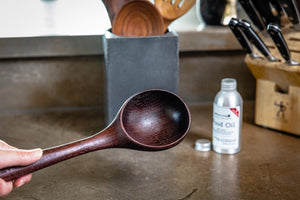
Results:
276 6
276 35
265 9
245 43
275 32
291 9
255 39
298 4
253 14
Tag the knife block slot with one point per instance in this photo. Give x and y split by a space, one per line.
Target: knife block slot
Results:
295 39
279 90
295 51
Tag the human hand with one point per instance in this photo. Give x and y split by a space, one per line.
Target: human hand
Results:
11 156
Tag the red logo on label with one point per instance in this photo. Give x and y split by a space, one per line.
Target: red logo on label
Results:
235 111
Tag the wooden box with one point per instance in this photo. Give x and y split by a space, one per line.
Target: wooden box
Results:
277 104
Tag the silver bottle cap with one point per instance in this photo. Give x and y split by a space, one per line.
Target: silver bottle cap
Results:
203 145
228 84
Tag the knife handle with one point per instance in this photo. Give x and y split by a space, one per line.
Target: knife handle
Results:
276 35
265 9
255 39
275 32
298 4
276 5
253 14
291 9
245 43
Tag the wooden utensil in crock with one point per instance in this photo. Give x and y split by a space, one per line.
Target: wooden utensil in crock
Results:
171 10
113 7
138 18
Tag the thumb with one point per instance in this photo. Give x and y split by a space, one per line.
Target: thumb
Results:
18 157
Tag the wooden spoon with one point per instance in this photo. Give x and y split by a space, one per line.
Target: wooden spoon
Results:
138 18
113 7
173 9
152 120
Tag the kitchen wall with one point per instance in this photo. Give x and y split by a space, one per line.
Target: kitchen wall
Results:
67 81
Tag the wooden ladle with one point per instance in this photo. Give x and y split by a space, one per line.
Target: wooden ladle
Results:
152 120
113 7
173 9
138 18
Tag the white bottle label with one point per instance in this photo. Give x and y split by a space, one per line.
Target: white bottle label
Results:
226 127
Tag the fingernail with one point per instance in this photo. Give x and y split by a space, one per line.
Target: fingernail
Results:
20 183
37 152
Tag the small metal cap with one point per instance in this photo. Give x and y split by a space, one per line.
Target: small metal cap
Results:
203 145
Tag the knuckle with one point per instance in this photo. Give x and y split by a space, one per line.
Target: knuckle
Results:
5 187
2 144
23 156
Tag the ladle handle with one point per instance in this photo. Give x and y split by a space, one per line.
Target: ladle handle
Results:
110 11
54 155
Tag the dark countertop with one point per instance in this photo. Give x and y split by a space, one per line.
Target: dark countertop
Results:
266 168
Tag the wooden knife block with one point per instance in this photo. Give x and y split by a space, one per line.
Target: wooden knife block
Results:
277 103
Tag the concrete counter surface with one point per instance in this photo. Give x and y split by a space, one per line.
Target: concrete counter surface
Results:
266 168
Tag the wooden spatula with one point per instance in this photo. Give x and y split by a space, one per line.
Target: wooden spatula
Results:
173 9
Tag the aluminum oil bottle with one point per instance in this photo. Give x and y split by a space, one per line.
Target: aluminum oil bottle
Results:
227 118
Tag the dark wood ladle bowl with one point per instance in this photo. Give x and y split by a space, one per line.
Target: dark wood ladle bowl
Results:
152 120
